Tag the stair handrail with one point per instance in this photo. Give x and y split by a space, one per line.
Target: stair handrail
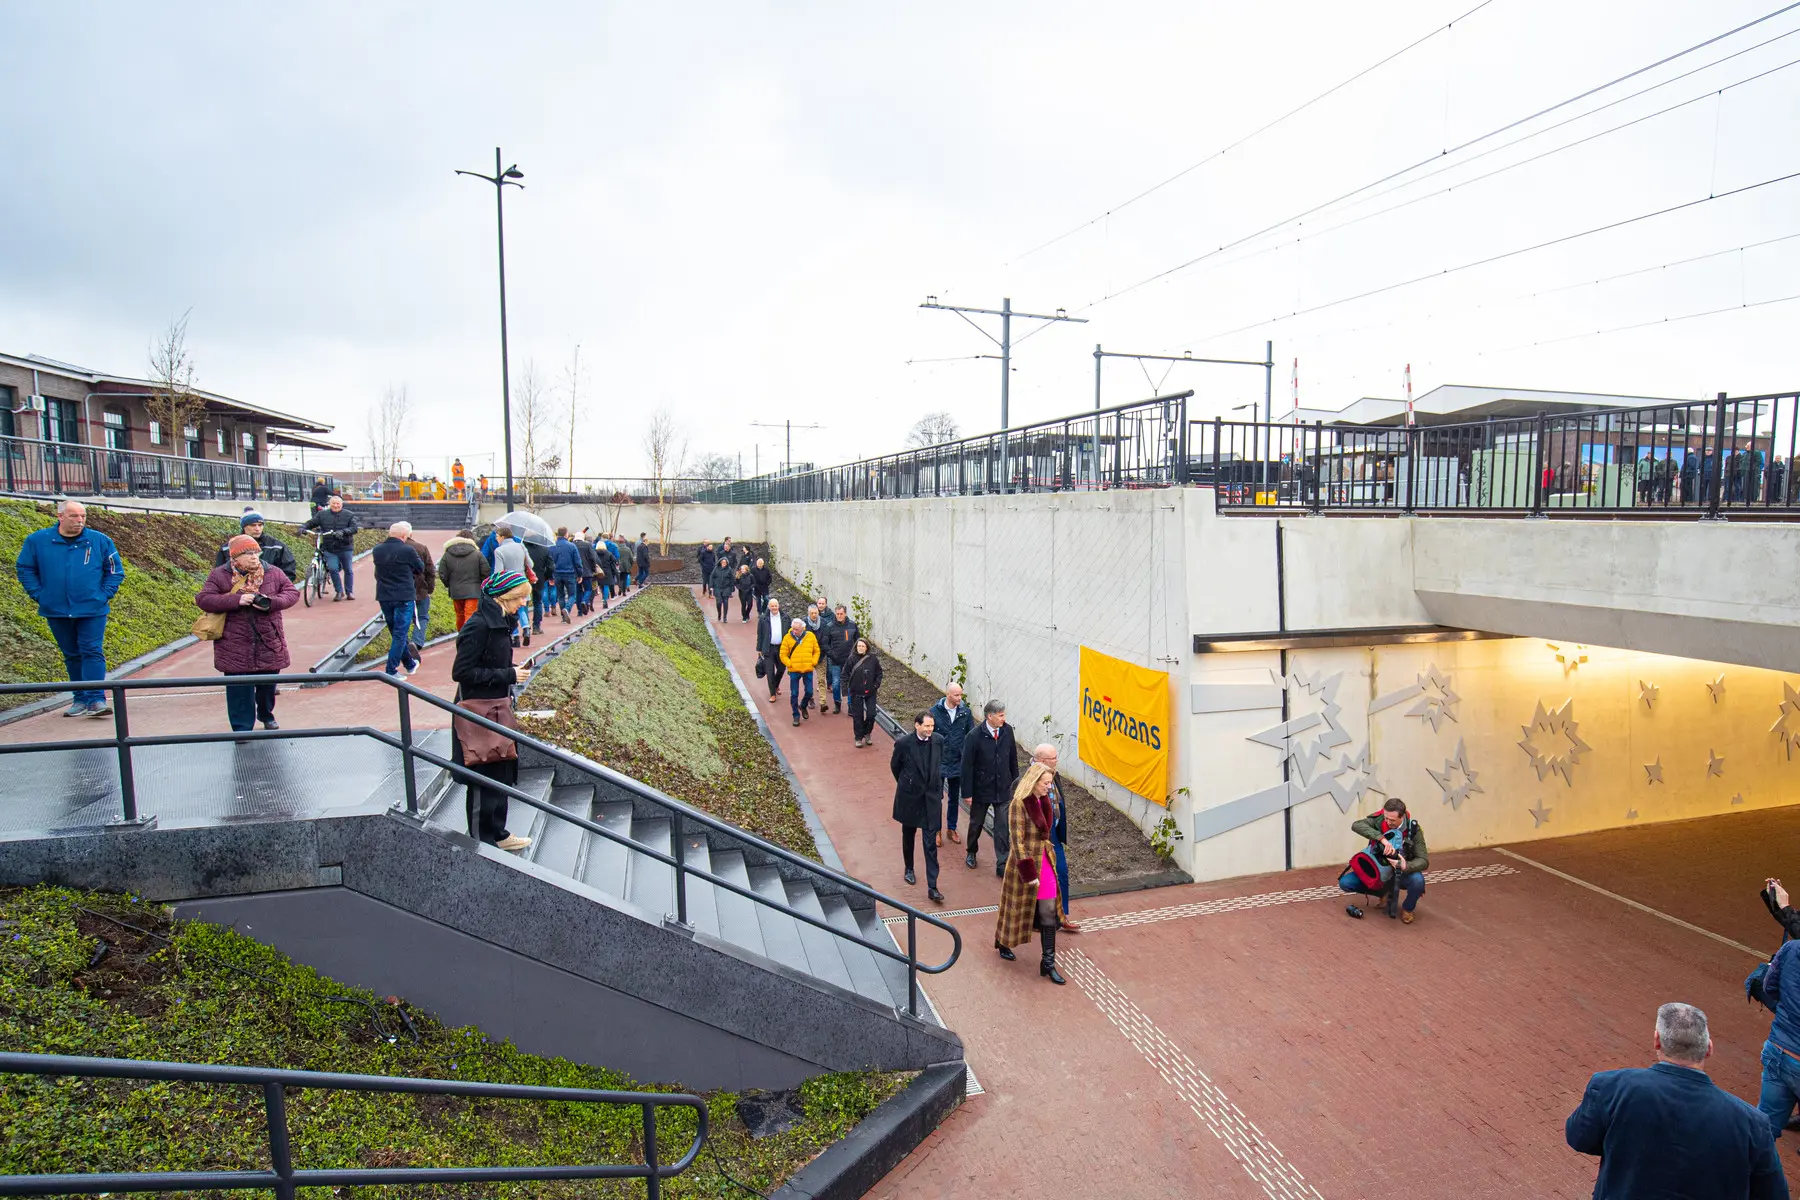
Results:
284 1178
123 741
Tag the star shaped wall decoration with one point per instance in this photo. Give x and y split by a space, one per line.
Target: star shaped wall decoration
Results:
1631 814
1437 703
1717 689
1323 731
1553 742
1787 720
1654 771
1539 815
1738 799
1715 764
1353 779
1647 693
1571 659
1456 779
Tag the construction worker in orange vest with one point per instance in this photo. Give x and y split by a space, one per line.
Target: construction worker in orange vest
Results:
456 478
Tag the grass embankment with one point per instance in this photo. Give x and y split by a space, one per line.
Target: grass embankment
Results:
646 693
77 982
167 557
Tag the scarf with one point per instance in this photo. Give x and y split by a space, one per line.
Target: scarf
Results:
247 581
1039 812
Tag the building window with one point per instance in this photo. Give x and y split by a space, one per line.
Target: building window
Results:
156 433
195 447
118 432
249 443
59 421
9 399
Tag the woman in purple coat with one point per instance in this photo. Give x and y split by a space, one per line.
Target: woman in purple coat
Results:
252 596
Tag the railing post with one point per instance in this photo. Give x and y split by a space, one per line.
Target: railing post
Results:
1218 440
652 1180
1181 442
406 754
1318 467
1718 464
127 775
1540 464
912 965
281 1155
677 828
1412 467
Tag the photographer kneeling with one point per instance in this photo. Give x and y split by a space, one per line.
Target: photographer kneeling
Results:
1395 858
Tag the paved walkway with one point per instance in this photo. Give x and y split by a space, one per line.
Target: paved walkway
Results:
311 634
1246 1039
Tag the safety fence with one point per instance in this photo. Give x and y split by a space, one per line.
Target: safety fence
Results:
30 467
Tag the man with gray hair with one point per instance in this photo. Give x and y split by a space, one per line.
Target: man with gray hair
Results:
1668 1130
989 769
397 566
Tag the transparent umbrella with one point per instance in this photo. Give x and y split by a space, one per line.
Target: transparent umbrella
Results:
530 527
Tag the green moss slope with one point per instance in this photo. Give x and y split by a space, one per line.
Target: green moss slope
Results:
647 693
198 993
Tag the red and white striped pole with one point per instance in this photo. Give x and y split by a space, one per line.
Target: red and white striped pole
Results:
1409 406
1296 391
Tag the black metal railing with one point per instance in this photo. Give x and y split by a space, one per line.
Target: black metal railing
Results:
30 467
682 817
612 489
1141 444
283 1177
1707 458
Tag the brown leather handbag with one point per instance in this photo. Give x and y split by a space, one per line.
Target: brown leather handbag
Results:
481 744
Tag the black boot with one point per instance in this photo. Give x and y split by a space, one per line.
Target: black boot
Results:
1047 968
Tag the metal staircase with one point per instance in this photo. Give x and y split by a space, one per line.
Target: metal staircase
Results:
624 873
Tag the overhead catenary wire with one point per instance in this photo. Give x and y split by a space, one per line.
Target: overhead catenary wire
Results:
1409 169
1711 312
1253 134
1346 330
1494 258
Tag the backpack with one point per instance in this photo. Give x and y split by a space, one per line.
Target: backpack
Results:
1369 869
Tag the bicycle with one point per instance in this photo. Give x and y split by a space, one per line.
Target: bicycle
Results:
314 586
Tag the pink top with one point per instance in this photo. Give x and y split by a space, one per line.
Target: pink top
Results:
1046 878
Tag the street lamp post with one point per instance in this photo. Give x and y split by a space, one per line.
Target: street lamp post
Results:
501 179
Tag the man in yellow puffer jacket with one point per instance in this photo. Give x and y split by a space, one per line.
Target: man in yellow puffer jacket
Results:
800 655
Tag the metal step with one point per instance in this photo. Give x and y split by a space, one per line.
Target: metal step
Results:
865 972
892 969
651 884
607 861
738 923
702 897
822 957
781 938
559 849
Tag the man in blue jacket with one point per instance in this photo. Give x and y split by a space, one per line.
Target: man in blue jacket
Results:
1781 1053
72 572
1668 1130
565 565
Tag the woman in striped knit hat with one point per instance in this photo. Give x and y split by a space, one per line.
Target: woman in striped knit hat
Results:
484 674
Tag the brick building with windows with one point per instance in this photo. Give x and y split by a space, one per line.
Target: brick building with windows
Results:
71 430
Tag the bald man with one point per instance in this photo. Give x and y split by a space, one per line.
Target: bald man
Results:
72 572
1059 831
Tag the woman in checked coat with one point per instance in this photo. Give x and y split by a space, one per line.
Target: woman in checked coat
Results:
1028 893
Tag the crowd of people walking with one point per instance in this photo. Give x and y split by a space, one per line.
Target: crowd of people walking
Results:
945 757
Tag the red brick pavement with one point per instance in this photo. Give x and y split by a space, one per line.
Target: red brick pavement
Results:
1466 1038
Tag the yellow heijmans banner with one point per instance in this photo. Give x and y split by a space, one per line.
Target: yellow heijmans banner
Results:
1125 723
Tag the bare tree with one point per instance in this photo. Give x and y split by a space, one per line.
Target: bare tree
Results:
175 402
715 465
534 421
666 446
572 380
386 424
933 429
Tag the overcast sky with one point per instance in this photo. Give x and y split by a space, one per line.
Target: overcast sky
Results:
735 209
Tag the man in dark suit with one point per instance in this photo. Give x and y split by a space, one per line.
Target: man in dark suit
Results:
1668 1130
915 766
769 632
990 767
